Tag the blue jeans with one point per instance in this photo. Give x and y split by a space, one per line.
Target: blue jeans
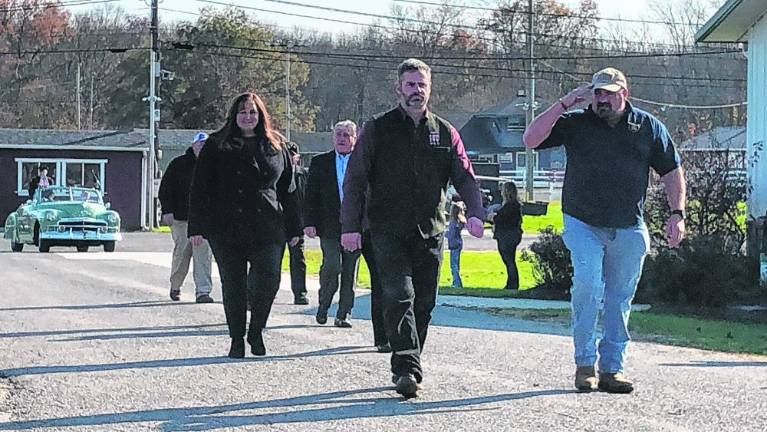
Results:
455 267
607 264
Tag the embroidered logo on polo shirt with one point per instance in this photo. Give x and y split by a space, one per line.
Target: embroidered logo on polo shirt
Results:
434 138
634 127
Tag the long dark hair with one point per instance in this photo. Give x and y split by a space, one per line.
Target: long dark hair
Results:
230 132
509 192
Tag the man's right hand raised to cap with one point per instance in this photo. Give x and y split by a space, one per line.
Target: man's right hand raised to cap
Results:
351 241
576 96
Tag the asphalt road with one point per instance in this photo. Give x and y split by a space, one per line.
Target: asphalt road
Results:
90 341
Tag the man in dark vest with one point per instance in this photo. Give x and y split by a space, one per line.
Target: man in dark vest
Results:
402 165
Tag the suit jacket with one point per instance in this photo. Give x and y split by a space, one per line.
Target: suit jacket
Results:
322 202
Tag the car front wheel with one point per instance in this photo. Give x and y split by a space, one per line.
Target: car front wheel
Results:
82 248
16 247
109 246
44 246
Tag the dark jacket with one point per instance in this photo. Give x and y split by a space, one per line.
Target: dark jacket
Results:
174 187
403 169
508 223
301 176
242 192
323 203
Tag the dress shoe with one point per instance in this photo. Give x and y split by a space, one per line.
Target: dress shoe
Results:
615 383
301 300
204 298
237 349
342 322
257 347
407 386
175 294
383 348
586 379
322 316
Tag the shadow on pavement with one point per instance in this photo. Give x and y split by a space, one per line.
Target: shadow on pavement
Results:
172 363
148 303
708 363
317 408
451 316
43 333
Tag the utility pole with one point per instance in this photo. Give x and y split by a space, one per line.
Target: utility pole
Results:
287 94
531 105
79 124
90 123
154 117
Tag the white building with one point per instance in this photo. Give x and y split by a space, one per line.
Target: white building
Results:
745 21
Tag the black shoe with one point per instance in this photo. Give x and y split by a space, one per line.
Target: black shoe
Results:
383 348
342 322
407 386
175 294
237 350
257 347
322 316
301 300
204 298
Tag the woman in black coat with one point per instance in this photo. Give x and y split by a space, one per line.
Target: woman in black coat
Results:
242 202
508 232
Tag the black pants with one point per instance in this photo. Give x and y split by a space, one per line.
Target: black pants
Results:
337 262
508 251
297 269
376 294
240 285
409 270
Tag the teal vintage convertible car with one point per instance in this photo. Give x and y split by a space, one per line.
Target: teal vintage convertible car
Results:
64 216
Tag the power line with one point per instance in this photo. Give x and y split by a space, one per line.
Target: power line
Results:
437 68
526 12
54 5
490 41
661 104
405 19
368 57
114 50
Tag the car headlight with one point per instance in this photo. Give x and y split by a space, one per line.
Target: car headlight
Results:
112 218
50 216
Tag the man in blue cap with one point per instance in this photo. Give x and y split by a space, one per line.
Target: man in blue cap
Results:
174 200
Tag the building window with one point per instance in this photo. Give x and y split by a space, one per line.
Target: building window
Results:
76 172
522 160
516 124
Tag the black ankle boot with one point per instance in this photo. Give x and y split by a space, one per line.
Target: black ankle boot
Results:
237 349
256 342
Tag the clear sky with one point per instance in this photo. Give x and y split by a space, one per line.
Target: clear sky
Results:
173 10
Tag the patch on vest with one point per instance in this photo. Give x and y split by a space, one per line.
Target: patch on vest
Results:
434 139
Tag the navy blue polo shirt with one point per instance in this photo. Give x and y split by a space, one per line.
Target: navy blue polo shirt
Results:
608 168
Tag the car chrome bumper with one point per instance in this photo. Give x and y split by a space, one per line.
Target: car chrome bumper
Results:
81 235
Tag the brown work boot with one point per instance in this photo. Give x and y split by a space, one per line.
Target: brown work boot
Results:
615 383
586 379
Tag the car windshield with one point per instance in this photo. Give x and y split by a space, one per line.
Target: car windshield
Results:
70 194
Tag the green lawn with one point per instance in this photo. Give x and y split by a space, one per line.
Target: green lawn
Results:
553 217
685 331
482 273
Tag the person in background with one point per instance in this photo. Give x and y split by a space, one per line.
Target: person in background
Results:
324 197
456 223
174 202
242 201
41 180
507 223
297 258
